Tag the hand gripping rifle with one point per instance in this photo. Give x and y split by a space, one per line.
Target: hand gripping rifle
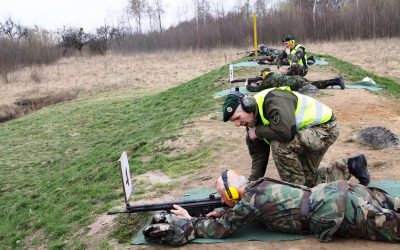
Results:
197 208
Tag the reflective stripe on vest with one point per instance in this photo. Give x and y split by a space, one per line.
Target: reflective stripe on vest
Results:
309 111
293 52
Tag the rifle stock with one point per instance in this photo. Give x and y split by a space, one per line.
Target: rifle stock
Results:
197 208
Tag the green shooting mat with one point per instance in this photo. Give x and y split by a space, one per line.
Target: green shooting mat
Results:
353 85
363 85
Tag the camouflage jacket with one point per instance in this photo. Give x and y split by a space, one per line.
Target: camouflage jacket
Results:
277 205
300 53
275 79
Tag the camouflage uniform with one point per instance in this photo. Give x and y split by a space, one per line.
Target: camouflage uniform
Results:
274 79
297 153
297 161
297 70
272 57
166 228
338 208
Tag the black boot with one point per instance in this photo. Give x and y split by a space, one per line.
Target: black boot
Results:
358 168
323 84
338 81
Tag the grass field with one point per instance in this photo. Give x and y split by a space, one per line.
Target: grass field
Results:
59 164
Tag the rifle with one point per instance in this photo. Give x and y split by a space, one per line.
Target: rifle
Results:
197 208
249 80
246 52
269 58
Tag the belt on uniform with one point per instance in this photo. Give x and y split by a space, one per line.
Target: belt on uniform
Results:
304 211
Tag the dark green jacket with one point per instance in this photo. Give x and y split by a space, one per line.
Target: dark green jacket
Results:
279 109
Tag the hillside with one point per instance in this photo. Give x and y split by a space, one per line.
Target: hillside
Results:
59 164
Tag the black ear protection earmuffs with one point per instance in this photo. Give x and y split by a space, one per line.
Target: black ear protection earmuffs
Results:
232 194
248 103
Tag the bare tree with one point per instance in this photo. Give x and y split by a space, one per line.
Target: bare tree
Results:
159 12
260 8
138 8
73 38
218 9
13 30
150 15
202 11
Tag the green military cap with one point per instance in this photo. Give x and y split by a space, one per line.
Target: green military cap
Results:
229 107
287 38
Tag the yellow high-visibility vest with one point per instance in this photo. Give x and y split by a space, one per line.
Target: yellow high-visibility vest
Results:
300 61
309 111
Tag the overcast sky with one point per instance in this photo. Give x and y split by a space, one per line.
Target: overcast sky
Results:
89 14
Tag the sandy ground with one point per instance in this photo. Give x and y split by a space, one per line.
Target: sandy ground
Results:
378 56
355 109
158 71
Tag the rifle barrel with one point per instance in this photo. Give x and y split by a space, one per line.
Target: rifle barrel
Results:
200 206
249 80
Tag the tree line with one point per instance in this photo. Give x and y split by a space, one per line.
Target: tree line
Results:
309 20
212 26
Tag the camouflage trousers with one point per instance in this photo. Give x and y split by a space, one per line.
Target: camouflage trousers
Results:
298 161
274 80
371 214
296 70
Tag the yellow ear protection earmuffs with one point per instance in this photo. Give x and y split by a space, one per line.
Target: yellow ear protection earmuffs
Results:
291 42
232 194
248 103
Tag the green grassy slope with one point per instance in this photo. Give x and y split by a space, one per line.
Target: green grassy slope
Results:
58 166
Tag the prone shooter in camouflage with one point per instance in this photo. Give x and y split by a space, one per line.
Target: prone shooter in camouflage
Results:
266 51
339 208
275 79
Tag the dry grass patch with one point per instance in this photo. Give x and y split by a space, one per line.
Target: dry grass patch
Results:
378 56
81 76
